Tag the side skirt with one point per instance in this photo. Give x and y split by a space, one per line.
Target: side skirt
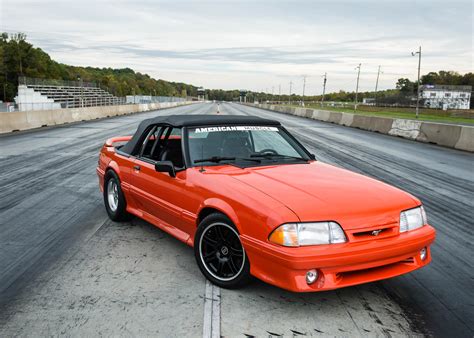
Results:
166 227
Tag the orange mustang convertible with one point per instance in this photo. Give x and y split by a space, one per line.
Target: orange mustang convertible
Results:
252 201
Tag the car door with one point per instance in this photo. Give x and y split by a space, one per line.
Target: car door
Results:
157 193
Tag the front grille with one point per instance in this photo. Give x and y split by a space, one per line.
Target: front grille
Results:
376 232
373 232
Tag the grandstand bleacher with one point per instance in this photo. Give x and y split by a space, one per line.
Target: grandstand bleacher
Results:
38 94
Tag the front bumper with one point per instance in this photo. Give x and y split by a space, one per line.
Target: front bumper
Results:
339 265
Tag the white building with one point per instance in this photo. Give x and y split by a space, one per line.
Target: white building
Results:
446 96
369 101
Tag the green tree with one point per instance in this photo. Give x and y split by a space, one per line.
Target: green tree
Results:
405 86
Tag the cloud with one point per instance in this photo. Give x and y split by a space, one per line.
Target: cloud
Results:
251 44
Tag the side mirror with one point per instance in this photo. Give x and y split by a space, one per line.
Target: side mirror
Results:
313 157
165 167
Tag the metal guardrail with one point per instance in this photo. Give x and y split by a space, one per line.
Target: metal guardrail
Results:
85 102
153 99
77 103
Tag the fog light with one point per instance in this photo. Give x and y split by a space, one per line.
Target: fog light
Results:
311 276
423 254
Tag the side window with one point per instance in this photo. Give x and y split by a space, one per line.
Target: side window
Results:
163 143
149 149
170 148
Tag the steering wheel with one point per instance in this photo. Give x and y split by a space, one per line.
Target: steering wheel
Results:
268 150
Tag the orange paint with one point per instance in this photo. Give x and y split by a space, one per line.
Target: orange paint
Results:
261 198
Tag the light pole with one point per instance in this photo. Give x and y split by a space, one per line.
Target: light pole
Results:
273 87
324 88
289 96
304 86
19 57
279 93
377 85
419 84
357 85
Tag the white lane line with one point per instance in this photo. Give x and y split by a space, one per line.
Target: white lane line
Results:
212 311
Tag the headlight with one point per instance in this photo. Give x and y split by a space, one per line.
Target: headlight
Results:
412 219
300 234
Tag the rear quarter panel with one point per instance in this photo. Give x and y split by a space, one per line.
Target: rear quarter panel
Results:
122 165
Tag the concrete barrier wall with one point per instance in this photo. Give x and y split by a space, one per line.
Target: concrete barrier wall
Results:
448 135
39 118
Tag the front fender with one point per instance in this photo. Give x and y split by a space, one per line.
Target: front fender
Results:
223 207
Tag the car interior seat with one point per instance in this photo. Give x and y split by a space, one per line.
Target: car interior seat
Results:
173 152
236 144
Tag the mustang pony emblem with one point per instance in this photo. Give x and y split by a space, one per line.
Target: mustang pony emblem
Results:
376 232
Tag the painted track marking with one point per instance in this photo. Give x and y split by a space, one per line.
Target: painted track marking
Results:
212 311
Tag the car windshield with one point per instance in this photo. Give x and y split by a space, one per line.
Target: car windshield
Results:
243 146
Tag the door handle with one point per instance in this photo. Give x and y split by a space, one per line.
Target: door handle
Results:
136 167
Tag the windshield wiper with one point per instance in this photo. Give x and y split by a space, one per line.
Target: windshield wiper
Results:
271 156
217 159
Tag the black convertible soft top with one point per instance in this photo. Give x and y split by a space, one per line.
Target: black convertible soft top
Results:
195 121
206 120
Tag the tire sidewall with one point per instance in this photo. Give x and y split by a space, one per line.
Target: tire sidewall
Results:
120 213
244 276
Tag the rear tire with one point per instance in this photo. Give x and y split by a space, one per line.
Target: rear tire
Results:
114 198
220 254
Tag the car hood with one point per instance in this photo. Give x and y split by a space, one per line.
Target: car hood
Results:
322 192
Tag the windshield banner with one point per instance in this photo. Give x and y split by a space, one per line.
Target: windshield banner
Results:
234 128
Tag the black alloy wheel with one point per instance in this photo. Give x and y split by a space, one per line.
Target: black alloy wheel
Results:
220 254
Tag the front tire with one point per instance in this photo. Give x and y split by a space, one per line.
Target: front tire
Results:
220 254
114 198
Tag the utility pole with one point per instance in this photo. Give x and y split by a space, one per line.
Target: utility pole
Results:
357 85
377 85
279 93
273 87
19 57
419 84
324 88
289 97
304 85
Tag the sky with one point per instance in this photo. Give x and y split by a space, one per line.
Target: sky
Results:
253 45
